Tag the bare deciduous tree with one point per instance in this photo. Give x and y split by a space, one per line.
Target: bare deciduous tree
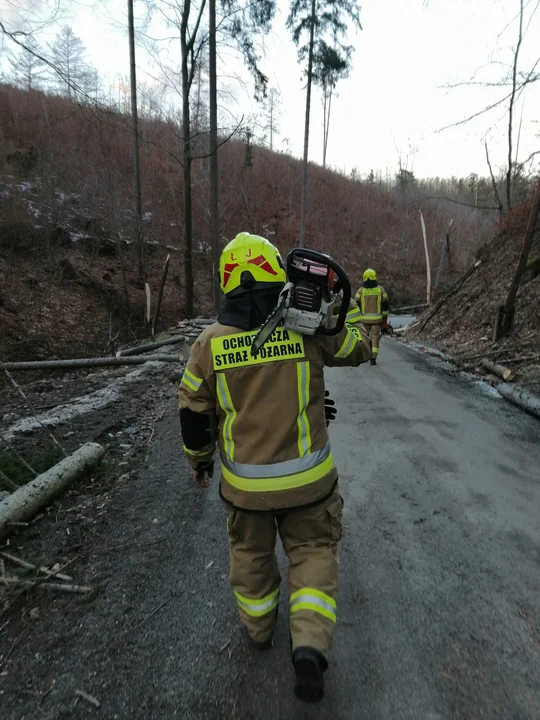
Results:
27 70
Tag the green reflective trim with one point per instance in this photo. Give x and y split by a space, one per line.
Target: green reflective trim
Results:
191 380
304 433
260 607
225 401
270 484
315 600
348 345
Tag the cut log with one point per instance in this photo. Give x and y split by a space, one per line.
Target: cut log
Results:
151 346
160 295
499 370
25 502
45 585
520 397
88 362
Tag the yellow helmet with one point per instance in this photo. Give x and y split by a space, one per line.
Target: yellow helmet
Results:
370 274
251 254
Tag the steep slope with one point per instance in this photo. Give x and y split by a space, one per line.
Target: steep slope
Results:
464 325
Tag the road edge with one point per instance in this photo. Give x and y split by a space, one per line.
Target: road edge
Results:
519 397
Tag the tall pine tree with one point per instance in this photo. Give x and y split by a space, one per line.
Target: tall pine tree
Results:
27 70
315 24
69 57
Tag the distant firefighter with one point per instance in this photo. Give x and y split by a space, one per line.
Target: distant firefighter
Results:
374 308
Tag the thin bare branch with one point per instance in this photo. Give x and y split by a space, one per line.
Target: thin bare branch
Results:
494 183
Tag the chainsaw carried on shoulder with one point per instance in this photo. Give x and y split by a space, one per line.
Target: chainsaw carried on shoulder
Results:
306 302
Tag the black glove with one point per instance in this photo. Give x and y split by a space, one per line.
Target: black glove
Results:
330 410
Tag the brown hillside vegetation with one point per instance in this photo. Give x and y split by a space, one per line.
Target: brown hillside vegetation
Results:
67 263
465 323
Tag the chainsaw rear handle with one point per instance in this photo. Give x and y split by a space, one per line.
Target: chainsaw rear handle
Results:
341 284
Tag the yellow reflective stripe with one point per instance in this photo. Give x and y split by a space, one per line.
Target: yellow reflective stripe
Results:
304 434
191 380
353 315
316 593
224 397
258 608
316 608
288 482
199 453
348 344
315 600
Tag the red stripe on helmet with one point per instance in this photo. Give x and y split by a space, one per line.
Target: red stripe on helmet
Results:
263 263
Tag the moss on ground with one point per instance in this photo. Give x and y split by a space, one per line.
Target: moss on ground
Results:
16 471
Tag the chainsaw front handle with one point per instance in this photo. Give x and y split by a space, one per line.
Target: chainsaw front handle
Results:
342 283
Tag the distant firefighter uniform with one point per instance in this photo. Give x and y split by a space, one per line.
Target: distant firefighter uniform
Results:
266 414
374 307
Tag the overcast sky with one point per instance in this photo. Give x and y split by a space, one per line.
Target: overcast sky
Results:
395 100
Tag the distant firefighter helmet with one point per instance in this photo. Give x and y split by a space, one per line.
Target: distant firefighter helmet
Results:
247 261
370 274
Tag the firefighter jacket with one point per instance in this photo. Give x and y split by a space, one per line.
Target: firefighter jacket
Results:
372 303
266 413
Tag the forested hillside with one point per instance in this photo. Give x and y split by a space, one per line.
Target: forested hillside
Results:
67 223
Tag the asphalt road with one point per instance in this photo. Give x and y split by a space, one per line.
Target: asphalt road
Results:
439 615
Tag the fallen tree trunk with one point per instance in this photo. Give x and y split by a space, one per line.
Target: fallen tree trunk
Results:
150 346
25 502
520 397
499 370
44 585
87 362
449 294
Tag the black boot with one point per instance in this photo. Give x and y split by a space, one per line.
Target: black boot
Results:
373 361
264 645
309 666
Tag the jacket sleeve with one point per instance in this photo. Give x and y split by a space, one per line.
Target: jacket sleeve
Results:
350 347
197 404
385 304
358 298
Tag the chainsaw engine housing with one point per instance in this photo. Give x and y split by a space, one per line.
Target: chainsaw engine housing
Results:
305 303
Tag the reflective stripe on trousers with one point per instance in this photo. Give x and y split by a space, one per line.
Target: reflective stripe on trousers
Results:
314 600
262 606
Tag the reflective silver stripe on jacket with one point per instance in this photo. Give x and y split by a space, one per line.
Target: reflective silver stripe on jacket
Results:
288 467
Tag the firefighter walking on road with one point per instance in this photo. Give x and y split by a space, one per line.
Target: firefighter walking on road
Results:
267 414
374 308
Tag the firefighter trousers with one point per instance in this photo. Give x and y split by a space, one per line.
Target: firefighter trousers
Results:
375 332
310 538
